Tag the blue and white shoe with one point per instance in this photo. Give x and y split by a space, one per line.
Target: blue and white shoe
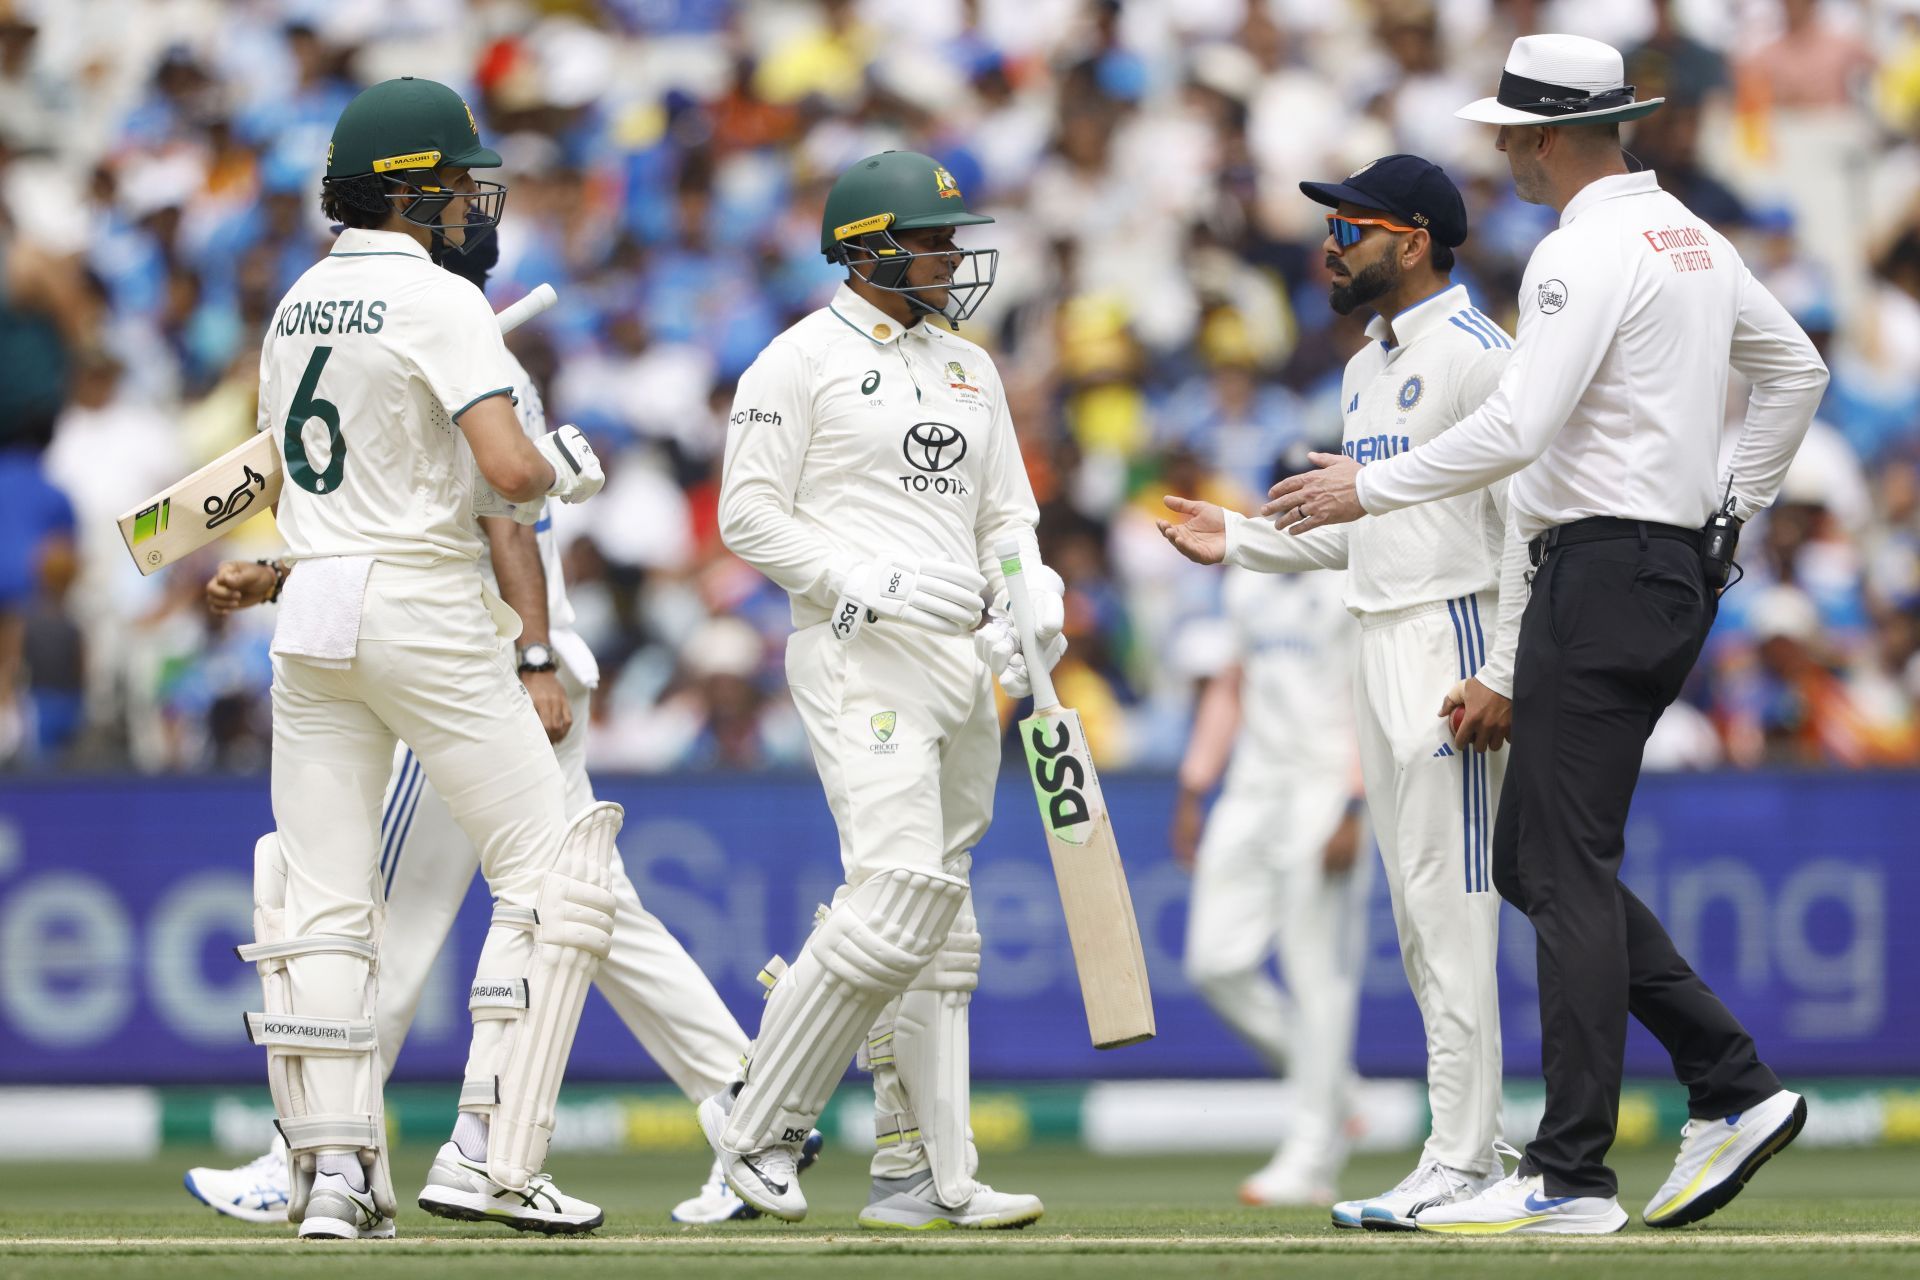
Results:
717 1202
1518 1204
1717 1157
1432 1183
254 1192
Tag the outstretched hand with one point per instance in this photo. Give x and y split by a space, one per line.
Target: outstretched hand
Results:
1202 536
1314 499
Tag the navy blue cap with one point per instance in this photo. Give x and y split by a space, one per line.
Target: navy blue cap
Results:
1416 191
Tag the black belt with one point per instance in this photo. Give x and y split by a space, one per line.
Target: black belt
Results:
1603 528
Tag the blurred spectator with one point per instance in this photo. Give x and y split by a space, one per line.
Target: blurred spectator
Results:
1160 315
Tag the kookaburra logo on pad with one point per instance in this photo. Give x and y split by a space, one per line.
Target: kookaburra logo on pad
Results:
934 446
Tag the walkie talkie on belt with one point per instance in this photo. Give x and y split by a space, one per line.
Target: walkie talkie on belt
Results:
1719 538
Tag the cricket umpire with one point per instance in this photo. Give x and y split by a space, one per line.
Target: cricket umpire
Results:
1609 419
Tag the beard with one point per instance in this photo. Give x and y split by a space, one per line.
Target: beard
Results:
1372 281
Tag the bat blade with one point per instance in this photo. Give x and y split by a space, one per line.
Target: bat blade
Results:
1101 926
240 483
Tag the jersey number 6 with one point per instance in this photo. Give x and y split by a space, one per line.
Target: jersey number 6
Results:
308 405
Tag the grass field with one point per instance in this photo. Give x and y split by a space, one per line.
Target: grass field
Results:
1811 1212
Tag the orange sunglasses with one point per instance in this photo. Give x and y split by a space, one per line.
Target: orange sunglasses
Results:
1347 231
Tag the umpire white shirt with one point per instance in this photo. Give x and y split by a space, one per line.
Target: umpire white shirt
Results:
1630 314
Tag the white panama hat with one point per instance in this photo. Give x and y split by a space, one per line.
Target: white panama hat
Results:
1554 79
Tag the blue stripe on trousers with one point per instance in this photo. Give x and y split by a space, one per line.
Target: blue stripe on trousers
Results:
1460 643
1486 791
406 796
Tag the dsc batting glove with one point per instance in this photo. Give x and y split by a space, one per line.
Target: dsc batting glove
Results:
935 595
576 471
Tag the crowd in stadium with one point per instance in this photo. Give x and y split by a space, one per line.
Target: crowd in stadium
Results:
1160 315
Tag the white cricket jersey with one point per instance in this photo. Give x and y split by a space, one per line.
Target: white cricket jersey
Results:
851 439
567 643
1294 641
368 363
1630 314
1445 359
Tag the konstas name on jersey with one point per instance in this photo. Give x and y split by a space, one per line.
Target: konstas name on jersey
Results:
331 316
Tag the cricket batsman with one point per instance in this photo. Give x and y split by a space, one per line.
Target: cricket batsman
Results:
1279 871
378 373
427 862
1425 591
871 467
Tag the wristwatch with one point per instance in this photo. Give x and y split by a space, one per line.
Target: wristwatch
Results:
537 657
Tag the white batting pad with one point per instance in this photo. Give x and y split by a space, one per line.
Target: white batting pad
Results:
869 948
315 1108
572 930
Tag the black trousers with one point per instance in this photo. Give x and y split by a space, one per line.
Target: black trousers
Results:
1611 630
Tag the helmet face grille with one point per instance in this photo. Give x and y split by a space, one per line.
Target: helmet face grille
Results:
972 277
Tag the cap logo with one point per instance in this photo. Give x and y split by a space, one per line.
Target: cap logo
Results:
878 222
412 160
1362 169
470 121
944 183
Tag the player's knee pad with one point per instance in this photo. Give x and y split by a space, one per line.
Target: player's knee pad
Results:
314 1114
869 948
540 962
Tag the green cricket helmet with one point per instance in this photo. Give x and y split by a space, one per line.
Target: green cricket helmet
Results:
904 191
391 143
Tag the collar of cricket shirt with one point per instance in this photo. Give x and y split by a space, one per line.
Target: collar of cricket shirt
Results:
356 242
1421 318
867 320
1611 187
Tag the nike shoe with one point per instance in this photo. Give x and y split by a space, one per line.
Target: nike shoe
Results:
1429 1186
336 1210
254 1192
767 1179
460 1189
1717 1157
908 1204
718 1202
1519 1205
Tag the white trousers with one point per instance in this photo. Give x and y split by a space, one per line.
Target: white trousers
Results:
431 669
1433 808
905 735
1260 892
426 866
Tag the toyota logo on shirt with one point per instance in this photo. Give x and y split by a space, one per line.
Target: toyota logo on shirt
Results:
934 446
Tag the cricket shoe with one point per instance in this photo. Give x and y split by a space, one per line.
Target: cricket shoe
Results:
718 1202
1287 1182
1518 1204
767 1179
255 1192
1717 1157
1430 1185
907 1204
336 1210
460 1189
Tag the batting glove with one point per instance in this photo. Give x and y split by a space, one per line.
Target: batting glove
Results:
935 595
999 645
576 470
1049 596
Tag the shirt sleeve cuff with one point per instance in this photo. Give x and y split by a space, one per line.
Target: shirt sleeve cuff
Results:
1363 494
1236 540
1497 675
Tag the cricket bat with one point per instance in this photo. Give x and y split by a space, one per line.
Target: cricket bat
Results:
1086 860
240 483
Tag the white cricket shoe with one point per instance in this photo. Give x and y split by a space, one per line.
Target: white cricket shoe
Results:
460 1189
907 1204
767 1179
1288 1182
255 1192
1518 1204
717 1202
1718 1156
337 1211
1428 1186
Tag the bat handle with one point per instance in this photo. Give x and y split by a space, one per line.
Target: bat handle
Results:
1044 697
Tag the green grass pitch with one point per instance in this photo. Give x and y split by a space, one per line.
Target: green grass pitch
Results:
1811 1212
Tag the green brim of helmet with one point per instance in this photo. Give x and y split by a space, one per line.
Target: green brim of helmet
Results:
475 158
959 218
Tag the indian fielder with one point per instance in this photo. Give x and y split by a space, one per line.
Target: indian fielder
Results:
1426 591
427 862
1279 870
378 373
870 470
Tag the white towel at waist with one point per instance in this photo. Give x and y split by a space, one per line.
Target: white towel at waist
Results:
320 610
